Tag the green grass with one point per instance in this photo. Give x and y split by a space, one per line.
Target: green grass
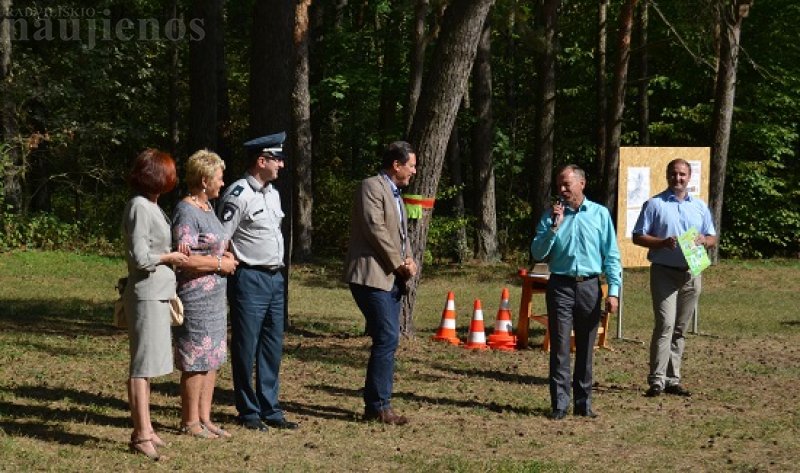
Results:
63 367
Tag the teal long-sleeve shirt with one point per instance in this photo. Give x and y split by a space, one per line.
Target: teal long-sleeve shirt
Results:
585 244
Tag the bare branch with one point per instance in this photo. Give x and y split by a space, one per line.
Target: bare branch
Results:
697 58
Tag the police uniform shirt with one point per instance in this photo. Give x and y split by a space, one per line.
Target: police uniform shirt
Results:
252 214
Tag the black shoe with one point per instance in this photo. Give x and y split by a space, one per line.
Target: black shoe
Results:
588 413
253 424
557 414
677 390
654 391
281 424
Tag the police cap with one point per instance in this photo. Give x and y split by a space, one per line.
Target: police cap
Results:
270 144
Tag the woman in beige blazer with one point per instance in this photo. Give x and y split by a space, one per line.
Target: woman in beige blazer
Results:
151 283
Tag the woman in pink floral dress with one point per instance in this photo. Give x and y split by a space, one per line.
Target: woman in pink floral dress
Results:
200 343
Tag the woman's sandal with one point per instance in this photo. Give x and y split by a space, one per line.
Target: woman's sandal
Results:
203 433
157 440
137 445
218 431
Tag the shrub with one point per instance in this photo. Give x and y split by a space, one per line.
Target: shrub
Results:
44 231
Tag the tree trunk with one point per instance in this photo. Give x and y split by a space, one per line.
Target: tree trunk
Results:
545 112
203 76
434 118
37 179
390 74
339 6
301 137
454 163
316 72
173 63
731 15
416 63
271 67
509 86
14 168
483 163
223 147
644 81
617 106
602 97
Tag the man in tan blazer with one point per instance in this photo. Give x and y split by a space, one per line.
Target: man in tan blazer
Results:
378 265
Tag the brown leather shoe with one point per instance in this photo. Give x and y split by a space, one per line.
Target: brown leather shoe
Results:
386 416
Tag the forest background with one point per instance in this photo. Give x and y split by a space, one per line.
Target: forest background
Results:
494 94
87 85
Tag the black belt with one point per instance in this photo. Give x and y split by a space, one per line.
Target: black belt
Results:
263 269
574 278
674 268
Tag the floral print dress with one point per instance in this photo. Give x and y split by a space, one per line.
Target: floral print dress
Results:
200 343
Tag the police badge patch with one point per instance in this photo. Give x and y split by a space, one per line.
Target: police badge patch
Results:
228 212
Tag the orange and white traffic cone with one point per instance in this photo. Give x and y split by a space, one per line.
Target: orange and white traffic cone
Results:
477 335
501 338
447 328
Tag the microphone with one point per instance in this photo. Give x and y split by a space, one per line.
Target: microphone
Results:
555 200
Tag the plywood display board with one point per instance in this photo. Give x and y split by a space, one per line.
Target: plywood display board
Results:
642 174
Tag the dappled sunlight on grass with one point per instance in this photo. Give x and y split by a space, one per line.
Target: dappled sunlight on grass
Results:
63 404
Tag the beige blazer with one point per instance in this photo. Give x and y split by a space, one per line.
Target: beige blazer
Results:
146 230
375 239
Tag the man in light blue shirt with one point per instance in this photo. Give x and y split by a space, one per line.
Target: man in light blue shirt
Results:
674 289
578 240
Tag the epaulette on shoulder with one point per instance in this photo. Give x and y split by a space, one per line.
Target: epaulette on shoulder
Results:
237 191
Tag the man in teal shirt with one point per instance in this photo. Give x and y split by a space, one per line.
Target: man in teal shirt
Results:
578 240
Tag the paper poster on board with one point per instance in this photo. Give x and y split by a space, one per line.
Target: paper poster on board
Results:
637 193
633 190
694 181
638 186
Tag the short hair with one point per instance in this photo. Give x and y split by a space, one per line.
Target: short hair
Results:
679 161
574 168
253 155
399 151
153 172
202 164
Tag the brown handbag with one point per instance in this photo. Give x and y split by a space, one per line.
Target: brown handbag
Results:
120 319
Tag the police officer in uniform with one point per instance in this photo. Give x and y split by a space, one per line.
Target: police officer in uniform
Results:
250 211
